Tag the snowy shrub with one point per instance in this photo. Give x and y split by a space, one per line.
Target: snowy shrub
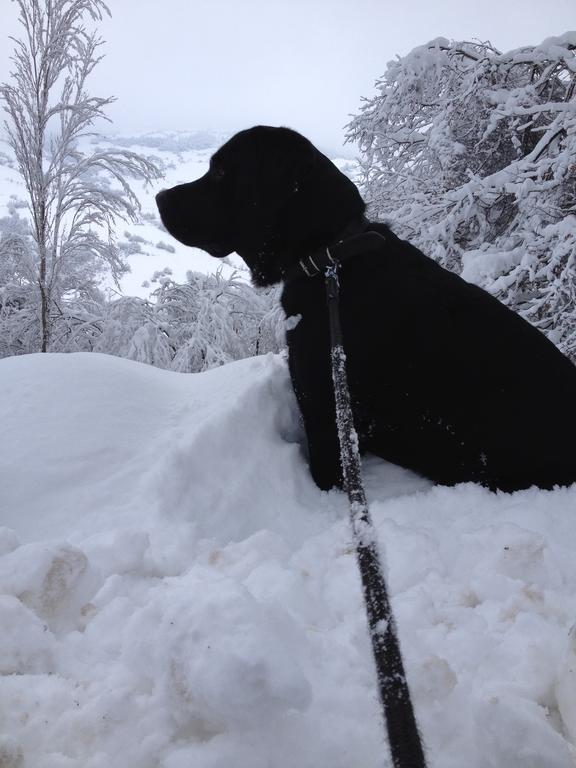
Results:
136 238
128 248
14 203
165 246
211 320
19 320
471 154
7 160
208 321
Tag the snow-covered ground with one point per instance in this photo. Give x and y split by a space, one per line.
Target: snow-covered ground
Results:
176 592
183 157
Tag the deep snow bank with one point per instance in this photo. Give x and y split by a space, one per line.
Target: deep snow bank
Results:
175 592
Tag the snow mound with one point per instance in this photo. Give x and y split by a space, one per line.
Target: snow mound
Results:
176 592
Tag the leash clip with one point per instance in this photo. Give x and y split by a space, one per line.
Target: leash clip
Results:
331 267
331 275
332 263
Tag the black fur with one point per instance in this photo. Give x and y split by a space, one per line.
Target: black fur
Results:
445 380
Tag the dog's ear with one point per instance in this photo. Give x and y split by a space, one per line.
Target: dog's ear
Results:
277 161
298 165
284 170
321 200
288 189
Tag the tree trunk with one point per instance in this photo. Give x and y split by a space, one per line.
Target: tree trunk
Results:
44 314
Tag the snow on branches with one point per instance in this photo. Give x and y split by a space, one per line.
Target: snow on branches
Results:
205 322
471 153
188 327
74 198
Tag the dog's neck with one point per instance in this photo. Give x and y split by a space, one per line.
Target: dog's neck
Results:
274 260
355 227
352 240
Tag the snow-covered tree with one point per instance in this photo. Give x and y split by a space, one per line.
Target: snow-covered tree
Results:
205 322
74 198
19 328
471 154
211 320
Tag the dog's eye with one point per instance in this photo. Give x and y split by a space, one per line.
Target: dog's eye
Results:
218 172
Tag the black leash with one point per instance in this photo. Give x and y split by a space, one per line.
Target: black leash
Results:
403 737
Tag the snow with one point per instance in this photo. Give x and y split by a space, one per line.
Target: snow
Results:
183 157
484 172
175 591
482 266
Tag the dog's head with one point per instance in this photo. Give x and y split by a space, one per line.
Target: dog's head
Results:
269 195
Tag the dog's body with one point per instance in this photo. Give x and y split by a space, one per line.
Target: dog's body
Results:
444 379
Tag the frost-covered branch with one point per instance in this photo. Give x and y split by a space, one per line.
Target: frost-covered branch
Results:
472 153
205 322
74 198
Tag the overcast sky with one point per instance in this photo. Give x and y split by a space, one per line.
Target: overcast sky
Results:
229 64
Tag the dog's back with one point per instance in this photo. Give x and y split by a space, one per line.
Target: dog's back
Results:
446 380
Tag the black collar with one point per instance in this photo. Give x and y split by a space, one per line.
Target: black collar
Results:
353 240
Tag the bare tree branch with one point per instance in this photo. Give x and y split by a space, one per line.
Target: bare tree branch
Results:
74 198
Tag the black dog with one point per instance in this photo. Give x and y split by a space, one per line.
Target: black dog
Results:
445 380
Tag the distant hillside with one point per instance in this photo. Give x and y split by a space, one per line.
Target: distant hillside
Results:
149 248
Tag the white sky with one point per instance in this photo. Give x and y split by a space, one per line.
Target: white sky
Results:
229 64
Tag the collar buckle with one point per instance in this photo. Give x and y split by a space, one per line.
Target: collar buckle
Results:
309 266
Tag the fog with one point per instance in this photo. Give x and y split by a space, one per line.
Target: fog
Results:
229 64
